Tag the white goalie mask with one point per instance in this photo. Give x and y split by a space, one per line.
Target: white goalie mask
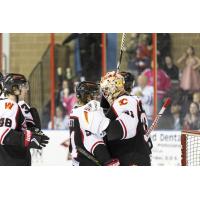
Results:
112 85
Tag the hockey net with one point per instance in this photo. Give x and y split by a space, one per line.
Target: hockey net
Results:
190 142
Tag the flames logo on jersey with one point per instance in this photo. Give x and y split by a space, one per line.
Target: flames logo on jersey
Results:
123 102
8 105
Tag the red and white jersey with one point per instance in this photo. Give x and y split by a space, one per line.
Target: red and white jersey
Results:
82 137
126 110
10 117
84 117
25 108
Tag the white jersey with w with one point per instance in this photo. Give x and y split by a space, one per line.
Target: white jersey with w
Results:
9 117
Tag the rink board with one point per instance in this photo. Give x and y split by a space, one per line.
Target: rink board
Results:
166 150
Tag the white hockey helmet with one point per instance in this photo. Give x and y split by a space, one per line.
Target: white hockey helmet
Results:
112 85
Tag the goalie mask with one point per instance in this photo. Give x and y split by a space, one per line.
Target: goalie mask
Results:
112 85
129 81
87 91
14 83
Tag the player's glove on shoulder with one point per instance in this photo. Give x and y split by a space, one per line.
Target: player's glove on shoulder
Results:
35 140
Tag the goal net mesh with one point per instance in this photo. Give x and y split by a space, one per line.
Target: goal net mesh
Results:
190 141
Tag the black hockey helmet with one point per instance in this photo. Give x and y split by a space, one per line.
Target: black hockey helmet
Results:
129 80
13 81
86 89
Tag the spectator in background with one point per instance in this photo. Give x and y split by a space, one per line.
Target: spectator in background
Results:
140 63
144 46
196 98
60 122
163 47
192 118
65 90
163 83
69 99
190 79
175 118
139 52
145 93
171 69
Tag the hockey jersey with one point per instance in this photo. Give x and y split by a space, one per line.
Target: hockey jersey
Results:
125 133
25 108
81 138
12 122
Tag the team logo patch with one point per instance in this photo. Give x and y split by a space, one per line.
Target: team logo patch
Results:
123 101
8 105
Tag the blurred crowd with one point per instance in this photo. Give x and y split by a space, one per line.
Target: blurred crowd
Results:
178 79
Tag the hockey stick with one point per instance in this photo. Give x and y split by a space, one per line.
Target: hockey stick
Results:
121 51
155 122
87 155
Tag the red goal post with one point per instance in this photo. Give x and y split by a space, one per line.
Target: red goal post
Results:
190 142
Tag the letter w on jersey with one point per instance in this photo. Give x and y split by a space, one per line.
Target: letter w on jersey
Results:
8 105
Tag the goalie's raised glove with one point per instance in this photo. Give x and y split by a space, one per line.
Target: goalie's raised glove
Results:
35 140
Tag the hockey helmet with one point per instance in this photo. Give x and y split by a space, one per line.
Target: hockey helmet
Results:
129 80
14 82
86 91
112 85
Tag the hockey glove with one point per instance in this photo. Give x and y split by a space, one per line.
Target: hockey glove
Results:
35 140
98 123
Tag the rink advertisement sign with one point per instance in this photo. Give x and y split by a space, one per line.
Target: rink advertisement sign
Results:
167 148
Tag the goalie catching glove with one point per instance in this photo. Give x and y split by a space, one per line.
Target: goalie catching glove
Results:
35 140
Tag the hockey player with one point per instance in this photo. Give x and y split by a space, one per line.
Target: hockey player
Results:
15 139
125 132
30 114
83 143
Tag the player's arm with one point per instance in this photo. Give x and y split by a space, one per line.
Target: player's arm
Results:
117 127
31 116
22 138
124 127
98 149
143 123
104 104
36 118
